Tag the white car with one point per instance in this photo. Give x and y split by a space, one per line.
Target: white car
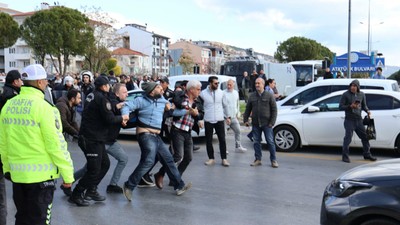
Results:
320 88
320 122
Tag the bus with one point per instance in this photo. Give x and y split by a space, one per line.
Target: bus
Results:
308 71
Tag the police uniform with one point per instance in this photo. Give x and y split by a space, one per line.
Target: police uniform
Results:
96 118
33 150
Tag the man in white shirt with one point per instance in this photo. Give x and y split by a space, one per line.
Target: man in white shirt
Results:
214 119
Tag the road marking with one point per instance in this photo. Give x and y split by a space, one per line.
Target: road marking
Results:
316 156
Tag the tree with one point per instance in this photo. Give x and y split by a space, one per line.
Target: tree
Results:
301 48
105 37
186 62
9 31
59 31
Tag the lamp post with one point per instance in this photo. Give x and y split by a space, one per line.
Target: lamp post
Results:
369 28
349 43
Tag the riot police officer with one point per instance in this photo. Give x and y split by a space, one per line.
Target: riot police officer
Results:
97 116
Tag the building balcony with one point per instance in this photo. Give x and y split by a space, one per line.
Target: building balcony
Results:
22 56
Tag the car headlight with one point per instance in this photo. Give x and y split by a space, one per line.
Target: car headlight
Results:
344 188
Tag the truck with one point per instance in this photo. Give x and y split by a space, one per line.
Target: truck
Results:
308 71
283 73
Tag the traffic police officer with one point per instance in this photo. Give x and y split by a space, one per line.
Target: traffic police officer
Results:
96 118
33 149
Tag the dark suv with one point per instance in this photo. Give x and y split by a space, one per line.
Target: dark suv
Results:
365 195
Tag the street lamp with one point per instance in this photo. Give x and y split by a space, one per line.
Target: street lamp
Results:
369 28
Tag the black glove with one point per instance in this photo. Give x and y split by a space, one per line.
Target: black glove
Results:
7 176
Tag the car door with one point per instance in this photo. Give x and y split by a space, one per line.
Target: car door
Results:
385 110
326 126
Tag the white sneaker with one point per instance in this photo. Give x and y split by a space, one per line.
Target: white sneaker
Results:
210 162
240 149
225 163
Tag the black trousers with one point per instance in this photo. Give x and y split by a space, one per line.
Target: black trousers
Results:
33 202
220 130
98 163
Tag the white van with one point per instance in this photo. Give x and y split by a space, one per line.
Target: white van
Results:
175 81
320 88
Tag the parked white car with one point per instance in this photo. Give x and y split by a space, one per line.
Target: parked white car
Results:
320 122
320 88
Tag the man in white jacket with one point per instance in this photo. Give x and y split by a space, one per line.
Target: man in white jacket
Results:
214 119
231 97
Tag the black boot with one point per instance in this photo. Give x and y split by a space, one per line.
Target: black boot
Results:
92 194
77 197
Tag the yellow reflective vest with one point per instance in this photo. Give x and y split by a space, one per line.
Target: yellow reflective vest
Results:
32 146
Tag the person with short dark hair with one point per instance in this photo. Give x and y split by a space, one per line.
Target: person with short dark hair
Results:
111 77
66 105
378 74
11 88
214 118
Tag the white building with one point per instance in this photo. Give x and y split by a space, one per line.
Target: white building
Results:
137 38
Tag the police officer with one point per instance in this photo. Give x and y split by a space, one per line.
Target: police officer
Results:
33 149
11 88
97 116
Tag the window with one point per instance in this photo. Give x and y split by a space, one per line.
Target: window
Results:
12 64
381 102
308 95
329 104
11 50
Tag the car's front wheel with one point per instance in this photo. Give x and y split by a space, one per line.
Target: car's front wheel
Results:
380 221
286 138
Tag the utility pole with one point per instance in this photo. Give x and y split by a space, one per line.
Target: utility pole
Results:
349 44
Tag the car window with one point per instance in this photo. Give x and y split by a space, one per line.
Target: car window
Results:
308 95
372 87
381 102
339 87
134 95
329 104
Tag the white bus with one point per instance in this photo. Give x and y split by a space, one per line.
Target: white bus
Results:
307 71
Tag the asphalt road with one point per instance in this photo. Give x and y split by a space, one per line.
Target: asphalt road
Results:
239 194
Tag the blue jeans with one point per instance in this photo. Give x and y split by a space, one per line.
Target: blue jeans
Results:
116 151
3 198
151 145
269 137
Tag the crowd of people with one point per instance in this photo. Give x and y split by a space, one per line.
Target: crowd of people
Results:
38 115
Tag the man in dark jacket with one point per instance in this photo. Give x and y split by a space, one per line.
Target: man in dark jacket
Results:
97 117
262 108
11 87
66 106
352 102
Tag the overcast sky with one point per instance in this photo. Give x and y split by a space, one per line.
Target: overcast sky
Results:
258 24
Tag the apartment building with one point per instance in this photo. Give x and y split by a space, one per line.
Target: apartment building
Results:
137 38
201 56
